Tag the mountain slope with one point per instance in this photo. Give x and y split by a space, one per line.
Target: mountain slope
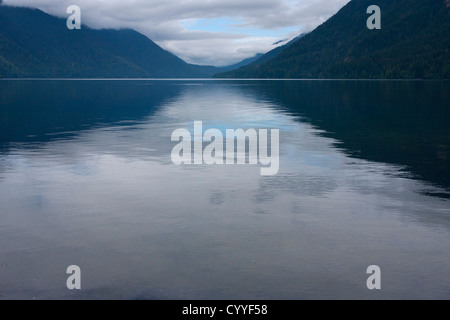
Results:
258 59
413 43
35 44
275 52
243 62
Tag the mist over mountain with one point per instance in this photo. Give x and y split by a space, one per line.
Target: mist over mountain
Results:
34 44
260 58
413 43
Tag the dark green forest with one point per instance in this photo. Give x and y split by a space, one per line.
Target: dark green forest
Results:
34 44
413 43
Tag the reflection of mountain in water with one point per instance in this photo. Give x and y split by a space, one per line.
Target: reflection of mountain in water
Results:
404 123
36 111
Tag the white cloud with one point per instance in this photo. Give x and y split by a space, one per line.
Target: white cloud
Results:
172 23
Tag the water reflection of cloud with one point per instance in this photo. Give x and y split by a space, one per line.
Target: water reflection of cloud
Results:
297 185
111 198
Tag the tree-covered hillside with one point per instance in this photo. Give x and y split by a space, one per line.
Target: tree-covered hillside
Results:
35 44
413 43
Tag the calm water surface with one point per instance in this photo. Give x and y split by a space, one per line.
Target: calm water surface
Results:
86 178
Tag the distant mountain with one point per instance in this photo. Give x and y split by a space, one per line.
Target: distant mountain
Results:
258 59
243 62
211 70
413 43
275 52
35 44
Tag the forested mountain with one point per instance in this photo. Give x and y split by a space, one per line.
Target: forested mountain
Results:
35 44
243 62
275 52
413 43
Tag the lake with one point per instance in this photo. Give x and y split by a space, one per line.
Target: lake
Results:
87 179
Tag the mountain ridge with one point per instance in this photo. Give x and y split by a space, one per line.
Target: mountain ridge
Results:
261 58
34 44
412 44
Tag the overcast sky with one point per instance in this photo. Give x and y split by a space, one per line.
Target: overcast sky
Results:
207 32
